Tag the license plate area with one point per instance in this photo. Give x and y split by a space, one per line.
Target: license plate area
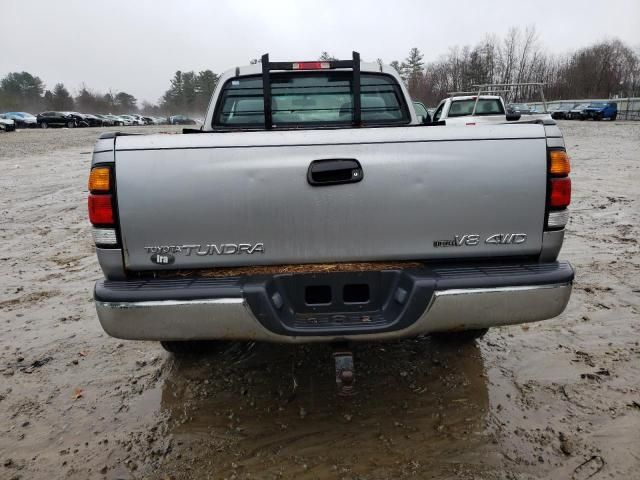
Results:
337 292
340 303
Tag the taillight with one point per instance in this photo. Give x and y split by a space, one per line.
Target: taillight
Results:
560 194
100 180
559 163
101 207
558 189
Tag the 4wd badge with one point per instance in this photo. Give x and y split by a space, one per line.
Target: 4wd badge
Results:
472 240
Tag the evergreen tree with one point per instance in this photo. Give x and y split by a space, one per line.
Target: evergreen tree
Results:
48 100
188 99
206 82
399 68
87 101
413 65
20 91
125 102
172 98
62 99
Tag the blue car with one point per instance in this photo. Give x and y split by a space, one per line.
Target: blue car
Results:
600 110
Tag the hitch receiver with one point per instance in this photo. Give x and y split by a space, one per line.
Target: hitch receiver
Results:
345 374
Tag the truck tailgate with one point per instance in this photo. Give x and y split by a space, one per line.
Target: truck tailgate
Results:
242 198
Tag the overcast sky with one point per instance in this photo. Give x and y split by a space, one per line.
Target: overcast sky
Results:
137 45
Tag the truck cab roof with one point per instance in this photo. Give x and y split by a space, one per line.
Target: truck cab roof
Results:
473 97
478 106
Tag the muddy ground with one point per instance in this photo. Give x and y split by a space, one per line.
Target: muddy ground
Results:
558 399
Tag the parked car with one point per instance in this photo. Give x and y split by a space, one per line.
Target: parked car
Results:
81 120
601 111
117 120
22 119
131 120
56 119
93 120
7 124
106 120
342 208
181 120
127 120
521 108
559 112
158 120
139 119
576 112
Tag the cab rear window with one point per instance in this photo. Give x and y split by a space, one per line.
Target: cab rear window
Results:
486 106
310 99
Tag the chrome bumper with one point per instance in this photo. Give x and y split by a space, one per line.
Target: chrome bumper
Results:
232 318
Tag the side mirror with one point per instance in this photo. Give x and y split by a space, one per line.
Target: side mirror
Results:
424 118
513 117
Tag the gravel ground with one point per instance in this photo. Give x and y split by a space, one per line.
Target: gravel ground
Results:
558 399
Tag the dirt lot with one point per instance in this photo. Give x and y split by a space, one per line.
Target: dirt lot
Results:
558 399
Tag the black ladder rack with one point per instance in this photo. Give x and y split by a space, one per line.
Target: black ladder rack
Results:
268 66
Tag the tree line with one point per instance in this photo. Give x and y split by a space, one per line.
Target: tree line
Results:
603 70
189 92
22 91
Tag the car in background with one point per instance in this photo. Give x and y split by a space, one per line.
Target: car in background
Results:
576 112
560 111
131 120
93 120
22 119
139 119
80 119
537 109
521 108
7 124
181 120
56 119
117 121
156 120
106 121
601 111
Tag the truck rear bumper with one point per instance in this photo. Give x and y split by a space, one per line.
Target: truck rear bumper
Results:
401 304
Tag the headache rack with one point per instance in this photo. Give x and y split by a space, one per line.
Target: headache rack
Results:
268 67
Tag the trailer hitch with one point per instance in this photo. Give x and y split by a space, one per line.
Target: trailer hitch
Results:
345 374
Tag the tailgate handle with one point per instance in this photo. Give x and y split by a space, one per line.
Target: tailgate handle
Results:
334 172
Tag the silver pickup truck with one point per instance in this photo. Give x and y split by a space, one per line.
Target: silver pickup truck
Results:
314 206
